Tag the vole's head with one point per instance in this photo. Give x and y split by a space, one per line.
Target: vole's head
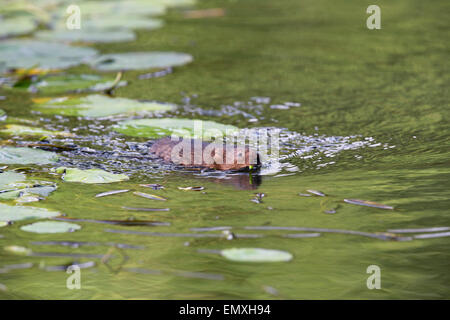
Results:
238 158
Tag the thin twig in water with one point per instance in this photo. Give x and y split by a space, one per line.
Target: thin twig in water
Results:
418 230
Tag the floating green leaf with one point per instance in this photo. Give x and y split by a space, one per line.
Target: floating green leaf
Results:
18 250
8 178
16 26
68 82
122 21
15 213
176 3
46 55
86 35
139 60
256 255
28 194
156 128
90 175
13 185
50 227
20 155
100 9
19 130
2 115
98 106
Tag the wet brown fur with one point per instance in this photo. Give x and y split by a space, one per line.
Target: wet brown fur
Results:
164 149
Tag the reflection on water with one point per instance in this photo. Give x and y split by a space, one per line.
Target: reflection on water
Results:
238 180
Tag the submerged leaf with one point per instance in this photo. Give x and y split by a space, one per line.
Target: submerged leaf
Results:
50 227
18 250
154 186
85 265
368 204
19 155
256 255
191 188
110 193
139 60
207 13
20 130
146 209
156 128
15 213
317 193
90 175
149 196
117 222
98 106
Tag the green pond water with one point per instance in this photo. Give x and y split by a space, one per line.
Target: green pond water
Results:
387 87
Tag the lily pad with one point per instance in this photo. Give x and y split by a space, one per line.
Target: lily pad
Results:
130 7
28 194
51 227
9 177
16 26
122 21
85 82
90 175
139 60
86 35
176 3
156 128
2 115
98 106
14 186
46 55
256 255
20 155
19 130
16 213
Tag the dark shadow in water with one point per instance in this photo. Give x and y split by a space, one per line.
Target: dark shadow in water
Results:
240 181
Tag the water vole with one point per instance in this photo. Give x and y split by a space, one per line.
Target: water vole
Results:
208 155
